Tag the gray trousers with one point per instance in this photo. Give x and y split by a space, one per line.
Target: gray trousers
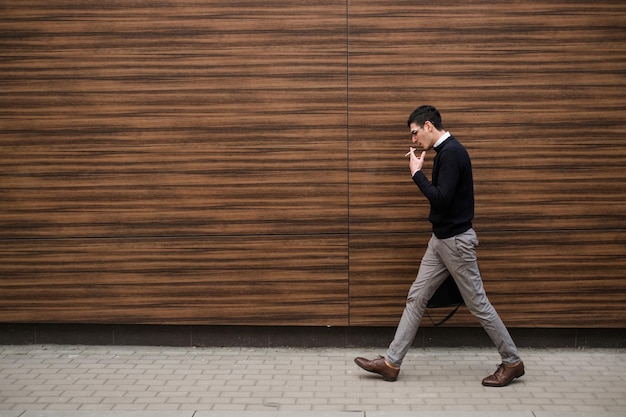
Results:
455 256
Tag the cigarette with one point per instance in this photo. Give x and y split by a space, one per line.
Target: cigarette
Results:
408 153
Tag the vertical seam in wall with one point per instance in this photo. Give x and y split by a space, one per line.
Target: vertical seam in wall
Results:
347 23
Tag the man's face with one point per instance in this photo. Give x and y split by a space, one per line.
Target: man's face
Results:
421 136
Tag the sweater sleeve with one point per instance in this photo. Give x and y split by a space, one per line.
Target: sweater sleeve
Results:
440 195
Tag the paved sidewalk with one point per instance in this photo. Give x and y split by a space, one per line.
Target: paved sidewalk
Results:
72 381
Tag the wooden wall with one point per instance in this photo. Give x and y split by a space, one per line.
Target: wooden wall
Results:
211 162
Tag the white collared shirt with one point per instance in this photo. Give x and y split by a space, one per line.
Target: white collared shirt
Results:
442 139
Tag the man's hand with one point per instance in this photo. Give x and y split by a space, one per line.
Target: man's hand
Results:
415 163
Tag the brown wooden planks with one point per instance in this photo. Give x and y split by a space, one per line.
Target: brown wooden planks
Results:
173 118
535 92
534 279
153 153
298 280
173 162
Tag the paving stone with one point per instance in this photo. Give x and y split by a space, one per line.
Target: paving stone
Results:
72 381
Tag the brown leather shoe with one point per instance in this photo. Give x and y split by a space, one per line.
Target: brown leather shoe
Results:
379 366
504 375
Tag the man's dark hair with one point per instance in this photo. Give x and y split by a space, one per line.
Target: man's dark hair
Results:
425 114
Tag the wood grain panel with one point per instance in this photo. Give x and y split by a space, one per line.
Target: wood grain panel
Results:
534 279
535 92
211 162
543 279
382 267
173 162
144 118
226 280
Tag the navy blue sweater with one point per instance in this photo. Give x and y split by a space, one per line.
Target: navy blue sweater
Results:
451 193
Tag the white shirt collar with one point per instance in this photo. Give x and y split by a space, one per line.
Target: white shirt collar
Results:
442 139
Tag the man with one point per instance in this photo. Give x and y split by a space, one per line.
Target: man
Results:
451 250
